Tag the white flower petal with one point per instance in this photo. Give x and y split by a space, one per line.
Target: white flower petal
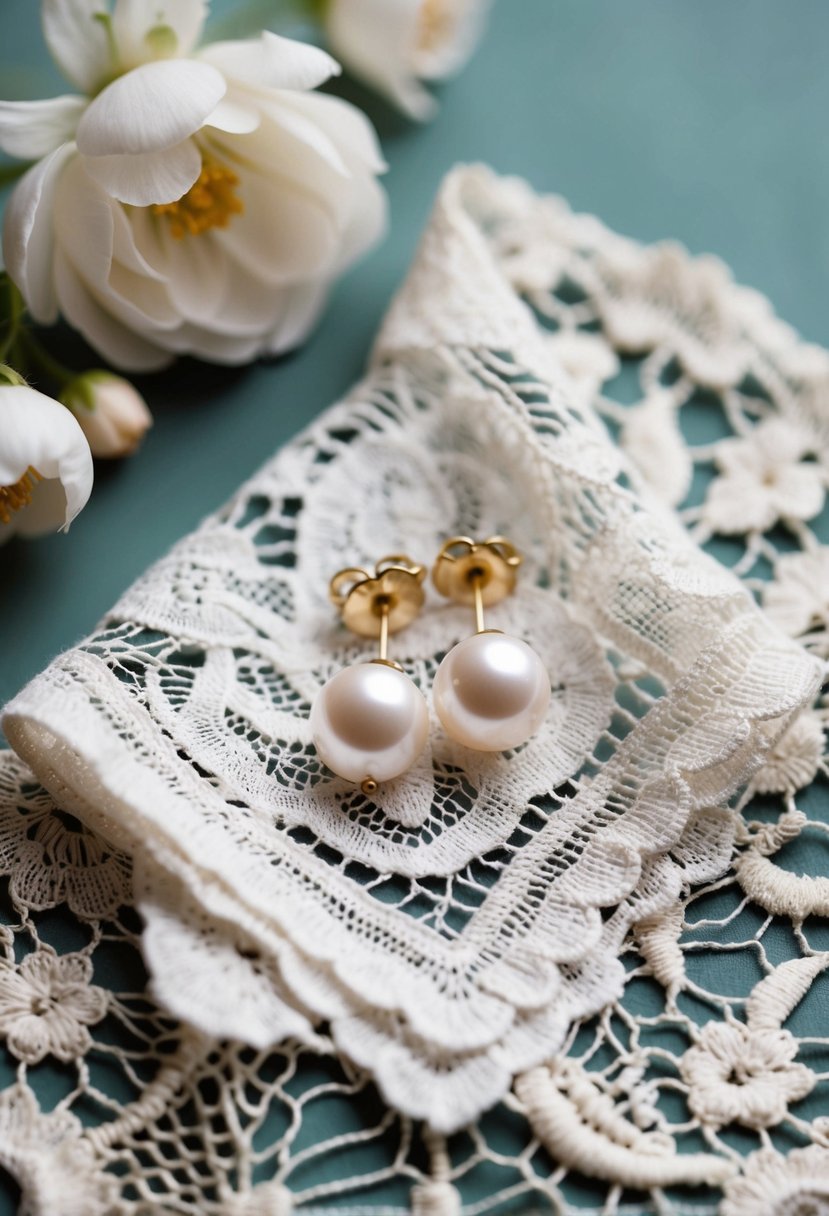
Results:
46 512
234 118
409 95
31 129
281 236
272 62
213 345
140 302
83 220
305 131
195 272
77 40
150 177
151 108
377 41
133 19
304 304
222 297
118 344
345 126
124 244
96 238
36 431
369 221
443 56
28 239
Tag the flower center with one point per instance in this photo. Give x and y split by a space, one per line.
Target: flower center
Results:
42 1005
14 498
209 203
434 25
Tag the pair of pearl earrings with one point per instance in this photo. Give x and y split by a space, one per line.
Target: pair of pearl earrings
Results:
370 723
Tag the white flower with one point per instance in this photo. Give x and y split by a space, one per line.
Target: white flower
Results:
798 598
793 761
200 202
46 1005
740 1075
764 479
51 1160
775 1185
112 413
395 44
45 463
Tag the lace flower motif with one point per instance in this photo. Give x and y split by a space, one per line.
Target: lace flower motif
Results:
46 1005
740 1075
793 762
52 857
780 1186
764 478
50 1159
652 439
663 296
798 598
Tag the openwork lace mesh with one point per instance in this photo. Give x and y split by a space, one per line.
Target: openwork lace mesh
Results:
568 977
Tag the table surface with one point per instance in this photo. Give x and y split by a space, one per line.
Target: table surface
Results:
703 122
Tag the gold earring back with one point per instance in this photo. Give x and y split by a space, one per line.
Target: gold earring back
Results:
377 603
477 573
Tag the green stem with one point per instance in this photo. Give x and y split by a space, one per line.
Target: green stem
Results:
36 355
14 310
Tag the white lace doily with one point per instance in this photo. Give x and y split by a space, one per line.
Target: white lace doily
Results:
448 934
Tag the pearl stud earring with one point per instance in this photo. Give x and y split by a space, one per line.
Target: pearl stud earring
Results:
491 691
369 722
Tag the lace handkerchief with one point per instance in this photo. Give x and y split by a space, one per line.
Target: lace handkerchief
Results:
450 928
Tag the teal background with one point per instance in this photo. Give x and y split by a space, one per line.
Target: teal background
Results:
701 120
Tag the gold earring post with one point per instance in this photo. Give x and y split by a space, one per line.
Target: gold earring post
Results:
477 580
384 630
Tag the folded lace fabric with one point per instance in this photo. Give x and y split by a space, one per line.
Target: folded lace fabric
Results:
451 927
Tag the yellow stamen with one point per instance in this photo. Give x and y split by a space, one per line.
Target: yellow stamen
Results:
434 25
14 498
209 203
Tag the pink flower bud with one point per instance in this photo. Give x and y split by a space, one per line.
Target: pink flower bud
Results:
112 413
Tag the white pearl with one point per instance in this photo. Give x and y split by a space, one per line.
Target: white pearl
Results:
369 722
491 692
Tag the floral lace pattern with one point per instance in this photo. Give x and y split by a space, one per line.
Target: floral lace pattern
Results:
46 1005
537 914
